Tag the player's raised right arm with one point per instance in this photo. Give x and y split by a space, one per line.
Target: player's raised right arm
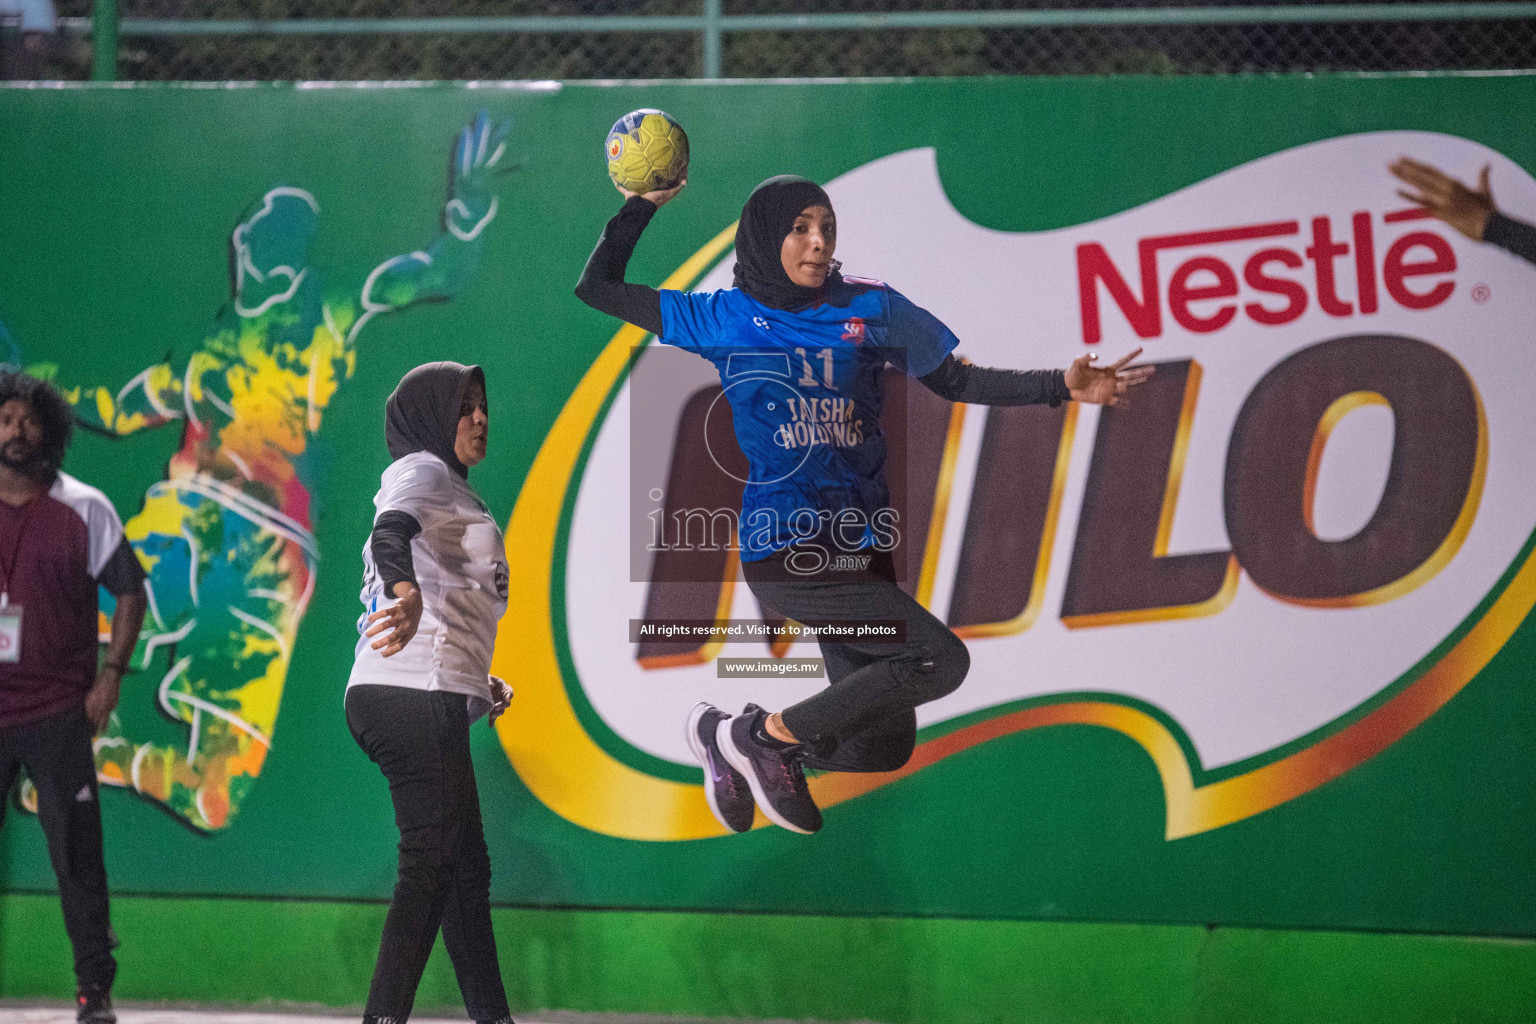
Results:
602 285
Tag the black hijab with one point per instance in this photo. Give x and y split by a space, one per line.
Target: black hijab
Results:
765 222
422 415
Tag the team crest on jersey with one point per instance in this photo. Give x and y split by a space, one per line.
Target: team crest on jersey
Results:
853 330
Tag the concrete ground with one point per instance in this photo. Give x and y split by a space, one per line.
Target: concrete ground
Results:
131 1013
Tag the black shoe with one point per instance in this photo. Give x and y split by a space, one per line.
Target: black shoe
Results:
726 789
94 1006
774 774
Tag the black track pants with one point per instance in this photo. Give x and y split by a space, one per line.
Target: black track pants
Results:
420 740
864 720
58 757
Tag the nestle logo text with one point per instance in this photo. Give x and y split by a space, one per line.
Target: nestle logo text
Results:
1411 272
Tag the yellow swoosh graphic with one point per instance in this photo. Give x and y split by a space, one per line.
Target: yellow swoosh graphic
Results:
556 759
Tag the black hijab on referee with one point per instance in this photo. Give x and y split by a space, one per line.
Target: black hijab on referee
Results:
422 415
766 220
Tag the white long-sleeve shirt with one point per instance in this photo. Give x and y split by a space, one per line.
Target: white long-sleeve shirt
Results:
461 570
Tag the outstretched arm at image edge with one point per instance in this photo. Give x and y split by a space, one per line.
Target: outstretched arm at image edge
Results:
1515 235
602 285
984 385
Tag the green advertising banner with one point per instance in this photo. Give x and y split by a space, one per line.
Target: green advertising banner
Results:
1250 652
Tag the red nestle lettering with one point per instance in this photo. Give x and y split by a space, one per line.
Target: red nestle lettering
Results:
1365 261
1397 270
1322 253
1180 294
1143 312
1093 266
1253 273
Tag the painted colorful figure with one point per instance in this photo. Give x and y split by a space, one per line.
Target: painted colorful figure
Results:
226 538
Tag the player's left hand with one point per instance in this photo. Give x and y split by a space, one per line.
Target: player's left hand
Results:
1104 385
501 697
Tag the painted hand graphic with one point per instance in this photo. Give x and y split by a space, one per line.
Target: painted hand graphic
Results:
476 157
226 538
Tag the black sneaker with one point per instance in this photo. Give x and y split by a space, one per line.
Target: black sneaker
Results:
774 774
94 1006
730 799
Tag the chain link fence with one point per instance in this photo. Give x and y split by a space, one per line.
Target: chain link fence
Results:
1438 41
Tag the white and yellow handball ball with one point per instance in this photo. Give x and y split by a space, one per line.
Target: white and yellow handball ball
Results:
647 151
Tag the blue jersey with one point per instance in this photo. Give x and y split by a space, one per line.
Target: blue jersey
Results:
805 393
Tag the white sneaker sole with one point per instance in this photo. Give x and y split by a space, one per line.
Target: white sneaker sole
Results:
740 762
701 755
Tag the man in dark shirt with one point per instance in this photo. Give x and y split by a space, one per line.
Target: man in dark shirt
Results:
59 541
1470 211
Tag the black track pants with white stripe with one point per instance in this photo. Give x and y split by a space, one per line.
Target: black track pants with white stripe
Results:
57 754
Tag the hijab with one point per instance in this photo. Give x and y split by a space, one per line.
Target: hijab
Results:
422 415
766 221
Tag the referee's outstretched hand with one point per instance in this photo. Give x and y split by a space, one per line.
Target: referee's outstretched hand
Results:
400 618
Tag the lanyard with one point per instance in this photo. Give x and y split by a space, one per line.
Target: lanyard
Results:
9 565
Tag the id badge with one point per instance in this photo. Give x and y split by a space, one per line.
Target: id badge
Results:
10 633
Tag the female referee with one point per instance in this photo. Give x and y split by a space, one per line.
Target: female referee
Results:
819 485
434 588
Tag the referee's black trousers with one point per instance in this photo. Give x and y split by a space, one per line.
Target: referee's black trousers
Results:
59 759
420 740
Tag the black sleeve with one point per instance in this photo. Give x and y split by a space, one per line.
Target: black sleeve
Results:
122 575
391 548
983 385
602 284
1515 235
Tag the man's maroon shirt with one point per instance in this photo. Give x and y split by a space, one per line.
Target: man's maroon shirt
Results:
64 544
